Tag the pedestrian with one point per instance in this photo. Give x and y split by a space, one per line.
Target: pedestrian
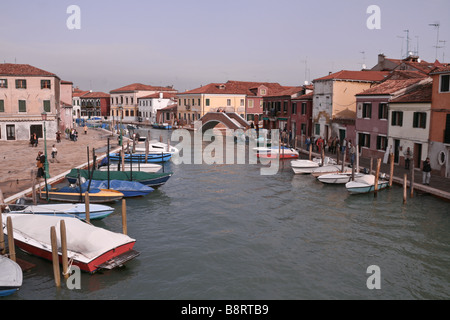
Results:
408 157
75 135
40 161
85 129
320 144
308 142
426 172
32 140
352 154
58 136
54 154
35 139
344 145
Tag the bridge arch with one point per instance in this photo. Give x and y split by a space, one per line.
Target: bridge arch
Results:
230 120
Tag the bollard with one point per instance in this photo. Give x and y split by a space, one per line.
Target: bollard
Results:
86 205
55 258
391 171
377 174
405 187
124 217
65 262
12 248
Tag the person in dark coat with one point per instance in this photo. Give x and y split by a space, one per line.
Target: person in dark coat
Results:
426 172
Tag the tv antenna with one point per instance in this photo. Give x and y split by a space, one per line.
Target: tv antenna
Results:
437 25
401 51
364 59
407 43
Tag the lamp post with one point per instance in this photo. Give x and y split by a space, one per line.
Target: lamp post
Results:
120 128
44 118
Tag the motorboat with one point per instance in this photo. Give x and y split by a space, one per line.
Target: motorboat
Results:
89 247
134 166
157 147
365 184
338 178
128 188
76 194
276 152
11 276
303 166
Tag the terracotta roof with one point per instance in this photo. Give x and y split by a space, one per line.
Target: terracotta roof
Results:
13 69
66 82
405 74
141 87
389 87
443 69
356 76
166 95
96 95
234 87
421 94
79 93
286 91
307 96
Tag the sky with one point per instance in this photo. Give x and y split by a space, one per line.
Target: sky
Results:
188 44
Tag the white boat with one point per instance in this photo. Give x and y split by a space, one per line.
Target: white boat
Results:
75 210
88 247
135 166
11 276
365 184
156 147
308 166
338 178
276 152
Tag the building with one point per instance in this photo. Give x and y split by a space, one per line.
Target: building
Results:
168 114
372 116
66 108
76 102
334 102
409 125
126 98
439 149
301 116
241 97
150 104
95 104
25 93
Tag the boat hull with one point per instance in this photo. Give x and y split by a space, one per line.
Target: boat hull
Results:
96 212
139 157
142 167
106 196
361 189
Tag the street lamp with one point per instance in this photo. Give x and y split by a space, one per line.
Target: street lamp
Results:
44 118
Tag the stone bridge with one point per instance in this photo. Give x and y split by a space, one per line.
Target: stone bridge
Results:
229 119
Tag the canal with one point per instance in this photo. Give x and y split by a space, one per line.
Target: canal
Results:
228 232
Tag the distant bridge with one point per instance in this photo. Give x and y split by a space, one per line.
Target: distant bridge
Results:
229 119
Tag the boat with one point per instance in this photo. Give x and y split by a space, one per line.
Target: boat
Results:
75 210
11 276
153 180
276 152
338 178
326 169
164 126
302 166
155 147
365 184
135 166
74 194
140 157
88 247
128 188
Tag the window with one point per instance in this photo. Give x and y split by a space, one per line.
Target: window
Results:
2 106
22 106
397 118
250 103
45 84
420 120
263 92
381 143
303 107
367 110
242 102
21 84
445 83
294 108
3 83
228 102
199 102
364 140
317 128
10 132
47 106
303 128
284 106
383 111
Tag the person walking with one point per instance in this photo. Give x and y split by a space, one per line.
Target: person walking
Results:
408 157
426 172
40 161
35 139
54 154
85 129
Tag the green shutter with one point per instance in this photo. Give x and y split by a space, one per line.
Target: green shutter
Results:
22 106
47 105
2 106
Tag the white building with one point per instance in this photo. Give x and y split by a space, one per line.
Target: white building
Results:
409 124
149 105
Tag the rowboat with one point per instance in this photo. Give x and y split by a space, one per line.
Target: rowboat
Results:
74 194
365 184
140 157
88 247
11 276
135 166
153 180
308 166
276 152
157 147
128 188
76 210
338 178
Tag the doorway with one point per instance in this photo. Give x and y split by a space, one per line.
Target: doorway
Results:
396 150
417 155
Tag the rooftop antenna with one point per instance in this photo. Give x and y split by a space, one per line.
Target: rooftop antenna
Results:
401 51
417 48
306 69
437 26
364 59
443 51
407 43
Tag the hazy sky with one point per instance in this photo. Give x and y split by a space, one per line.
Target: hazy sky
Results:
195 42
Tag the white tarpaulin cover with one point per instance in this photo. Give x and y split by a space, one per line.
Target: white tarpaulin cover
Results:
82 238
11 273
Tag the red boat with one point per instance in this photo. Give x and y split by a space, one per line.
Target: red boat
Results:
89 247
276 153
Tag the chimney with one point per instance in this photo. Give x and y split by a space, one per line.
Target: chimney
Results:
160 95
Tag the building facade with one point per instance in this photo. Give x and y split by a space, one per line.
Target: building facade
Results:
149 106
95 104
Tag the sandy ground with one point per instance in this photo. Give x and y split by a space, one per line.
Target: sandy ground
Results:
19 158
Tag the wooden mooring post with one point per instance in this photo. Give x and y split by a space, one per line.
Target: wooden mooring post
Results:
412 180
2 237
405 187
377 175
12 248
391 171
86 205
124 217
55 257
65 261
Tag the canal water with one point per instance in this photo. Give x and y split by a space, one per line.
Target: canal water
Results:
228 232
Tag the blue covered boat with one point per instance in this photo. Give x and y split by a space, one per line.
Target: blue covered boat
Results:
153 180
128 188
140 157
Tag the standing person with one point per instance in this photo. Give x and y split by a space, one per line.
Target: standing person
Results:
408 157
85 129
40 161
320 144
58 136
344 145
308 142
426 172
54 154
352 154
32 140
